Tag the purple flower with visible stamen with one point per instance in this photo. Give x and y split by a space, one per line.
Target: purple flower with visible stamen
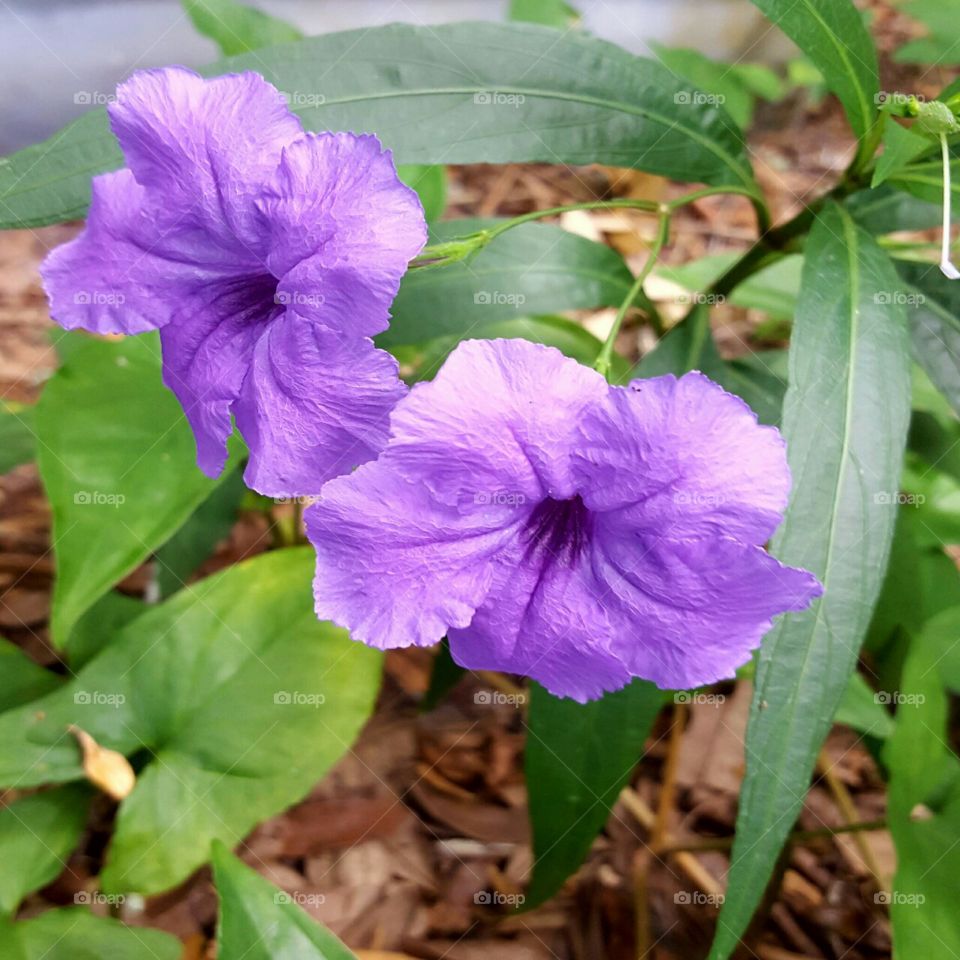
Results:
554 526
267 257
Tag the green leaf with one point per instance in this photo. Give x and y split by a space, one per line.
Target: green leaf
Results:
22 680
760 80
833 35
99 626
193 543
430 182
940 45
924 179
456 93
532 269
445 674
75 934
118 463
845 420
716 79
17 442
579 756
690 346
886 209
900 147
933 309
550 13
37 834
773 289
862 711
242 698
923 806
566 335
260 922
237 28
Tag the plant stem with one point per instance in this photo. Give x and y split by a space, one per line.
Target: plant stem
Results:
602 364
451 251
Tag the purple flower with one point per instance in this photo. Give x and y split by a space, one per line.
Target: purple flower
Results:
554 526
266 256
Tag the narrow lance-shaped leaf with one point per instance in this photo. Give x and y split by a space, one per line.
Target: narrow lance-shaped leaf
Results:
933 308
578 758
236 27
531 269
457 93
833 35
845 418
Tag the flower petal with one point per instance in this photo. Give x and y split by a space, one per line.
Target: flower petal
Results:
207 351
116 275
336 200
684 613
544 621
684 458
205 146
394 566
499 419
313 406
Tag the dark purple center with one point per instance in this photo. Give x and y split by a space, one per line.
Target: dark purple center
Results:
560 528
251 299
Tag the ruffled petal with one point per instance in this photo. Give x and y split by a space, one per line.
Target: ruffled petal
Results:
121 274
207 352
205 147
313 406
498 420
394 566
336 200
547 621
684 458
684 613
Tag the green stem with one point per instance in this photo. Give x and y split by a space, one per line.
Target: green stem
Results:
602 364
451 251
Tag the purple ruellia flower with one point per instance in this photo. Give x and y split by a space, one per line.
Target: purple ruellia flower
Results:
266 256
554 526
